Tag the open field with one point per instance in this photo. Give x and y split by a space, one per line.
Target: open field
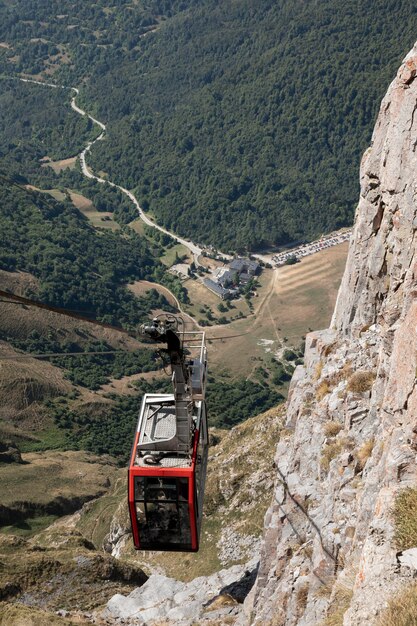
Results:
138 226
99 219
55 193
212 264
200 296
63 164
291 302
140 287
65 474
169 257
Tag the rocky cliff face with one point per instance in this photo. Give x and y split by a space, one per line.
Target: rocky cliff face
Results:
329 554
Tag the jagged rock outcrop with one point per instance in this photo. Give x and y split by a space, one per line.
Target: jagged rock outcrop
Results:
208 599
329 550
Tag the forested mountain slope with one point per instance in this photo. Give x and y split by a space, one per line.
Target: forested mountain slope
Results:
238 123
77 267
243 123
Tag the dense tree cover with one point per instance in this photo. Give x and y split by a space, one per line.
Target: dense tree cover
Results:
243 123
104 197
77 34
238 123
89 371
232 402
260 136
113 431
40 122
78 267
37 122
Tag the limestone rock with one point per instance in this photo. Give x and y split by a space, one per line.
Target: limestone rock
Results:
329 532
204 599
409 558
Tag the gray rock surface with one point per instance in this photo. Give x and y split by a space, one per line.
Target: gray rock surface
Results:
351 446
204 599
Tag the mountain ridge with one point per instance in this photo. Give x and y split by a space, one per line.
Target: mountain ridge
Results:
352 409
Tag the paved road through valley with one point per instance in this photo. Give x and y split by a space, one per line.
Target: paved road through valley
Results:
192 247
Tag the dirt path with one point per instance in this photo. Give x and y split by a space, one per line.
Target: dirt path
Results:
172 299
263 304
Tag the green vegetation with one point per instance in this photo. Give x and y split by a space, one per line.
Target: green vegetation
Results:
233 402
29 526
110 429
279 373
50 438
89 371
103 197
36 122
78 268
266 123
228 108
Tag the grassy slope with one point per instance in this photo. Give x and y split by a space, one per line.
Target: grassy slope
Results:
238 491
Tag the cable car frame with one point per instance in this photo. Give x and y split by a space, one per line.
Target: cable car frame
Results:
168 463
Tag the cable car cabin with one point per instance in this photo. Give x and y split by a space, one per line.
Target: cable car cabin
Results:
169 461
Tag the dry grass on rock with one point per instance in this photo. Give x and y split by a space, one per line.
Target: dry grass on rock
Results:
402 609
361 381
322 390
364 453
331 429
330 452
332 449
405 519
338 607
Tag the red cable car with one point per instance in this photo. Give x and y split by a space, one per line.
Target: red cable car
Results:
168 463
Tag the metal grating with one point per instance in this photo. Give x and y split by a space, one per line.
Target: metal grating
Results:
159 423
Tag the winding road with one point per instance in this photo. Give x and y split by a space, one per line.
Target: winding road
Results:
192 247
195 250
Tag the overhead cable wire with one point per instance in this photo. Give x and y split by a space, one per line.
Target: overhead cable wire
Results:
15 299
55 309
58 354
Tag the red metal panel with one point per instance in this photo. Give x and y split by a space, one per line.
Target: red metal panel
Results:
133 453
169 472
191 508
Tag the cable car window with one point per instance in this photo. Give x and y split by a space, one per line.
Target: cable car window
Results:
162 512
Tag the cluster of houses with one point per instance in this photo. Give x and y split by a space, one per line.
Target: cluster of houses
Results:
227 282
